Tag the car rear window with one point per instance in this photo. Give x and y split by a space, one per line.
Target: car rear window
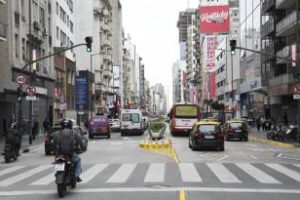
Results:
207 128
99 119
237 125
53 129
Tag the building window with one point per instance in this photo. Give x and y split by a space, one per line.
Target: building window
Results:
42 17
17 19
17 45
71 6
57 8
23 49
57 33
71 26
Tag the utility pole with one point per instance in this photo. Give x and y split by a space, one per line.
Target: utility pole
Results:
232 91
30 70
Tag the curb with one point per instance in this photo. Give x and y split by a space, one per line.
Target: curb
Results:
276 143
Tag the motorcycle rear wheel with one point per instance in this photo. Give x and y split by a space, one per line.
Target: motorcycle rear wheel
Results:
61 190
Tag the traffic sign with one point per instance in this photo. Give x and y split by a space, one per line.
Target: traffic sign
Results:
31 98
31 91
296 96
21 79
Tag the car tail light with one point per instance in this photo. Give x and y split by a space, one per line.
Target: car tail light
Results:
47 138
173 123
196 134
230 130
220 134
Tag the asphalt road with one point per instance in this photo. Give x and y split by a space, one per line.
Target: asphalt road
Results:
117 168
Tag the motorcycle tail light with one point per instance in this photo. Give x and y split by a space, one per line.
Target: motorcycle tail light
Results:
47 138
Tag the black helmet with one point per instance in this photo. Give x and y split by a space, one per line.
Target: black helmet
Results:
66 123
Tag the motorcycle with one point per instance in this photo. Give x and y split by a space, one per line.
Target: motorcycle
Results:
64 174
276 133
292 132
10 153
12 140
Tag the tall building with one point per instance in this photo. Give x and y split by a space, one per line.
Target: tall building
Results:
94 18
27 28
176 83
280 37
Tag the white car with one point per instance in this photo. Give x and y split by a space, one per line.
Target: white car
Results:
114 124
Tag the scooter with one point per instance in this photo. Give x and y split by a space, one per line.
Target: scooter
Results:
64 174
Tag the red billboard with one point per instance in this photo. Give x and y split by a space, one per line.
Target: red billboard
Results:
214 19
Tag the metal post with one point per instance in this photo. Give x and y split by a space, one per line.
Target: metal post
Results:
232 93
91 95
30 70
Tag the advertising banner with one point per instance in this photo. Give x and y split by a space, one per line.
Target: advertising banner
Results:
82 93
210 45
214 19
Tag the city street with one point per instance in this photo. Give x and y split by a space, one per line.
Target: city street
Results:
119 168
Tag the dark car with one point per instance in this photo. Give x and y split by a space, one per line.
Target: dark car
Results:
236 129
206 134
49 135
99 126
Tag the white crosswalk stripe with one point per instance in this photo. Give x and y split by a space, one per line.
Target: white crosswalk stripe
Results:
155 173
189 173
24 175
297 165
92 172
222 173
10 170
122 174
45 180
257 174
286 171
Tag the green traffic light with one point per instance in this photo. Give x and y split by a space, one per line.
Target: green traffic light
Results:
88 49
232 52
19 99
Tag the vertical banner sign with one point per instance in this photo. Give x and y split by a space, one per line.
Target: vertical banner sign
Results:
211 43
214 19
82 96
294 56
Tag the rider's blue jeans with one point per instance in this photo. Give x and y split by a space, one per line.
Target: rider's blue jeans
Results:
77 162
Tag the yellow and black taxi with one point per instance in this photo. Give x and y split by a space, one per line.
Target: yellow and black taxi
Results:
206 134
236 129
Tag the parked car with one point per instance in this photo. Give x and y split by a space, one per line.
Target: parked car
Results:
236 129
206 134
99 126
49 136
131 122
114 124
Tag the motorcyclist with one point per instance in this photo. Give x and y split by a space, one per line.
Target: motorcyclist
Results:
66 142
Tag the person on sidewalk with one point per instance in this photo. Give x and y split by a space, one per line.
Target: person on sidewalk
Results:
35 129
258 124
46 125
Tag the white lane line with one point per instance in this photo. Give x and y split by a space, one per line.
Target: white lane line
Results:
89 174
45 180
10 170
253 157
163 189
297 165
122 174
257 174
223 158
189 173
155 173
222 173
24 175
286 171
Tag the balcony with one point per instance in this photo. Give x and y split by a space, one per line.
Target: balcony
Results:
282 79
2 32
105 27
282 4
2 1
107 73
107 57
287 25
106 42
268 28
267 5
268 50
284 53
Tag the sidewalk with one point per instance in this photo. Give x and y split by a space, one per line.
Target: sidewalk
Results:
262 137
26 147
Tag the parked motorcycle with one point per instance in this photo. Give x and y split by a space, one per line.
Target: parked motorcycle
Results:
12 144
292 132
64 174
276 133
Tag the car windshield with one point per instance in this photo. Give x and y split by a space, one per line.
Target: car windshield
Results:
207 128
133 117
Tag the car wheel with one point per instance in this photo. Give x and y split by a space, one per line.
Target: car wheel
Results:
122 134
190 146
91 136
47 152
221 148
108 136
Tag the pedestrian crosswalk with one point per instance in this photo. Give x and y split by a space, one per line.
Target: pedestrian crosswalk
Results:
159 173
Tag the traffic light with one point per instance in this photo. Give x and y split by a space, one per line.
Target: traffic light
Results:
232 46
89 41
21 94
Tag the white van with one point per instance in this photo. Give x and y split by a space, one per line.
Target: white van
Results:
131 122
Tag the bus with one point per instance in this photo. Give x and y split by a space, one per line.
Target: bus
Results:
182 118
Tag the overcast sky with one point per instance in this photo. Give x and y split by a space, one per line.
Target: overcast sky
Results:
152 27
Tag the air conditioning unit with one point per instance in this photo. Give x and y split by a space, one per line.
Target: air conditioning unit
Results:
36 25
23 19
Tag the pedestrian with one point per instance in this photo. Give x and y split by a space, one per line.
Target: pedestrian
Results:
258 124
263 124
46 124
35 129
